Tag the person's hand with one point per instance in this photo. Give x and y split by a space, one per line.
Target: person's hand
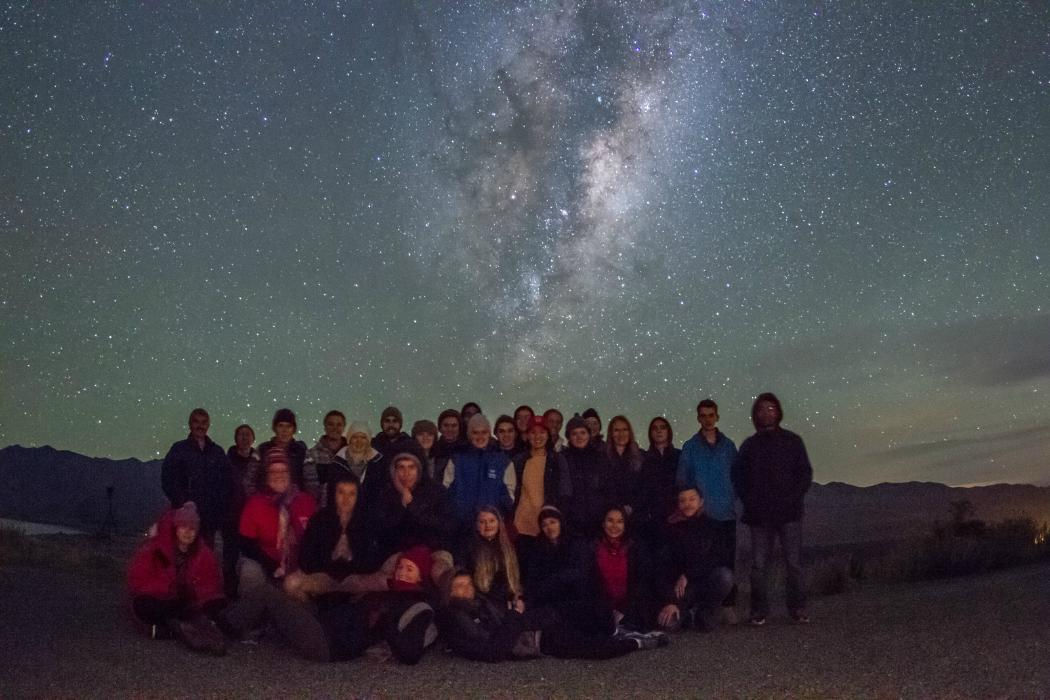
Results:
279 573
679 587
405 492
517 605
668 615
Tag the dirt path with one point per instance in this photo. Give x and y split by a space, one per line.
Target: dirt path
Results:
67 636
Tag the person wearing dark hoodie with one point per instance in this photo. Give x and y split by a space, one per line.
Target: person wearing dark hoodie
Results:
391 440
541 478
656 498
478 475
480 629
245 463
771 475
694 579
283 445
594 483
175 583
318 457
196 469
337 543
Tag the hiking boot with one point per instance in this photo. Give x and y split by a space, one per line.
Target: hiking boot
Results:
757 620
799 617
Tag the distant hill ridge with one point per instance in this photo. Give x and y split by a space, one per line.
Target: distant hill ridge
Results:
42 484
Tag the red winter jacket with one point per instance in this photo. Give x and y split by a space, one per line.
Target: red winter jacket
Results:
260 521
152 569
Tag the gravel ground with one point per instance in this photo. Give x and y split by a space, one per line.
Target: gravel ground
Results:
63 635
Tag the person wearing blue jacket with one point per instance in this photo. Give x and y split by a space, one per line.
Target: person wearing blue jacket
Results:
479 474
706 462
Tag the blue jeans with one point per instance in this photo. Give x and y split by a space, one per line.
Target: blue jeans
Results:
762 539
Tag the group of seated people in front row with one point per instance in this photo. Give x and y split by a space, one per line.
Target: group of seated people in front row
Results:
552 551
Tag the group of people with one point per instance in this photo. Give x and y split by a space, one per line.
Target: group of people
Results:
505 539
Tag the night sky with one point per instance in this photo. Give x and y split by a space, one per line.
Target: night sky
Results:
628 205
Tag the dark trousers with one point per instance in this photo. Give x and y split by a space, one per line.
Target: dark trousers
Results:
563 641
725 547
763 538
158 611
708 593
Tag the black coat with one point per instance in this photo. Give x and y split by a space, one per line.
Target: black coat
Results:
771 475
692 549
429 519
202 476
320 539
656 492
554 574
596 485
402 442
480 630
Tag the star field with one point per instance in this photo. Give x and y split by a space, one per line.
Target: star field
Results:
631 205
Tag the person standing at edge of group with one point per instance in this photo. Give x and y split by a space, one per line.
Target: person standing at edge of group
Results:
772 474
391 440
594 424
706 462
554 419
318 457
244 471
196 469
283 444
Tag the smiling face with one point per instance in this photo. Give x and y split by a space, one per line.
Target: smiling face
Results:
614 524
391 426
580 437
551 528
538 437
407 572
199 425
449 427
487 525
334 425
284 431
278 477
593 424
689 502
479 436
521 419
184 536
425 440
462 588
619 433
506 434
358 443
244 438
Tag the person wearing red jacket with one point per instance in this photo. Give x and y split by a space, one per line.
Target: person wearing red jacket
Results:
175 583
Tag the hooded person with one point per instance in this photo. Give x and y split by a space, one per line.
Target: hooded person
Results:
413 509
175 583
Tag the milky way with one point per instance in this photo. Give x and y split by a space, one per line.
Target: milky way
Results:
631 205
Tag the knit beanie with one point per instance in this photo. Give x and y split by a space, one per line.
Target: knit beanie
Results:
550 512
424 426
392 411
358 426
284 415
575 422
420 556
187 516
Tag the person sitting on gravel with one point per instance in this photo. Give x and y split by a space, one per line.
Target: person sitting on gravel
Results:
694 579
477 628
621 574
336 544
176 585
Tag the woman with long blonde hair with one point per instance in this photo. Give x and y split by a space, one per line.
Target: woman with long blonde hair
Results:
491 557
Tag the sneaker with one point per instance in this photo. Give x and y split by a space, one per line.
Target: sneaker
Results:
160 632
757 620
648 640
799 617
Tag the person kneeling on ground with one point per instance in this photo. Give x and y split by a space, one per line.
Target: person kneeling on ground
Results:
175 583
476 628
695 582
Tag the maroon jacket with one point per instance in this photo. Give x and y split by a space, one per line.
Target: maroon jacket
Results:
152 569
